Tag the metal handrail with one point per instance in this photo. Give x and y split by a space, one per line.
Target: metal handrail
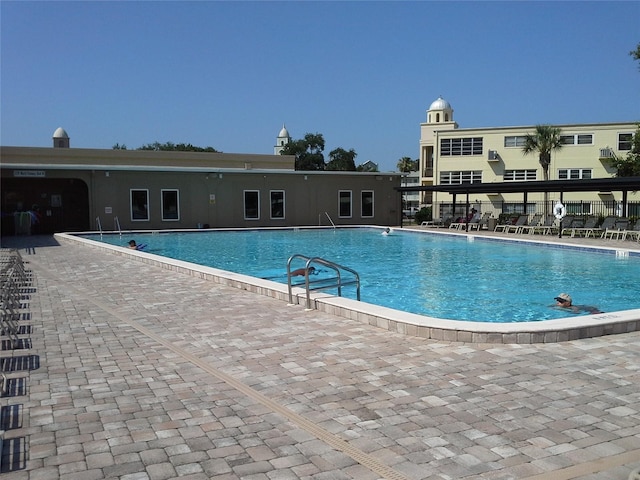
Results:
327 214
323 283
116 225
99 225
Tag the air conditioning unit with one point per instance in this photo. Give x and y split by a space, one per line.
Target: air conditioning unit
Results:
606 153
493 156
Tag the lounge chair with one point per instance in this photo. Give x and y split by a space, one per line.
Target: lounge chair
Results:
531 224
546 227
462 225
565 222
587 227
521 220
617 230
608 222
480 225
633 233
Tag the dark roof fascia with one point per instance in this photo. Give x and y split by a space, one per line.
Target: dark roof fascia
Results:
587 185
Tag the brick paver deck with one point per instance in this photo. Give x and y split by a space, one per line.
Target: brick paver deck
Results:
137 372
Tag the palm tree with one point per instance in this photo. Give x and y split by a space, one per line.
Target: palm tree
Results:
405 164
544 140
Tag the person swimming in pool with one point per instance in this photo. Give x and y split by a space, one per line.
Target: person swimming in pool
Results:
564 300
301 272
134 246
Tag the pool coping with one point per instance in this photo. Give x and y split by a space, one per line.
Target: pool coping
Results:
543 331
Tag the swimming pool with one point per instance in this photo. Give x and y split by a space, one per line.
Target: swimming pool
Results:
448 277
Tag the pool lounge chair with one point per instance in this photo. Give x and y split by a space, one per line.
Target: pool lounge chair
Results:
633 233
521 220
617 230
463 224
585 229
546 227
480 225
534 222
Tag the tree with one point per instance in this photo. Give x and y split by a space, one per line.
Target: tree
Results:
117 146
635 54
544 140
629 166
308 152
171 147
340 159
405 164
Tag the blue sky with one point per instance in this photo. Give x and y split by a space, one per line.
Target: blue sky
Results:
229 74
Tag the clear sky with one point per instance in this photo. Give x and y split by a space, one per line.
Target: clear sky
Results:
230 74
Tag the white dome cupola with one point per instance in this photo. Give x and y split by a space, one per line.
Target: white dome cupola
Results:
60 138
440 111
283 139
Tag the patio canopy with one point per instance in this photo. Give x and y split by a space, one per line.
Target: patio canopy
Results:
604 185
601 185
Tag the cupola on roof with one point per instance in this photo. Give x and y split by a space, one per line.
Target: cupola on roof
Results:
440 104
60 133
284 133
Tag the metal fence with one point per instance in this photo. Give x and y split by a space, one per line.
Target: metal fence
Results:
593 208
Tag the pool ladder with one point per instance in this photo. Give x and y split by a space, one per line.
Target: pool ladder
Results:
323 283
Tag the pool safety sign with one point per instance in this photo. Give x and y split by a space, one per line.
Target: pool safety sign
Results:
212 199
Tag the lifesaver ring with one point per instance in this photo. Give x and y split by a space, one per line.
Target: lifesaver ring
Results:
559 211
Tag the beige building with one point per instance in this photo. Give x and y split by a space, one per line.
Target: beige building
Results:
450 155
69 189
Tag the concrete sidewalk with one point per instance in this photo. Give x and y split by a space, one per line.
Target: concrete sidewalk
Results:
136 372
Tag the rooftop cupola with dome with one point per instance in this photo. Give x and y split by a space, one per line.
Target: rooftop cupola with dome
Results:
282 140
60 138
440 111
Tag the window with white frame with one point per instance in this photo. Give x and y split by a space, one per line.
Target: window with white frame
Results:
460 146
170 200
514 141
139 203
515 207
458 178
574 173
577 139
519 175
366 204
624 141
578 208
251 204
344 203
277 204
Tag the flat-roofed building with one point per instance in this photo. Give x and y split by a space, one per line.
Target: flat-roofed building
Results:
80 189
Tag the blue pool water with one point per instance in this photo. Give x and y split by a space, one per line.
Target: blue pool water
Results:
435 275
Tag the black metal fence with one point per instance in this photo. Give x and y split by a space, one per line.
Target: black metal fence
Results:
593 208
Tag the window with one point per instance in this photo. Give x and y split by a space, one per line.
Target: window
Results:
519 175
367 204
461 146
578 208
518 208
624 141
251 205
277 204
514 141
170 205
574 173
344 204
458 178
139 205
581 139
